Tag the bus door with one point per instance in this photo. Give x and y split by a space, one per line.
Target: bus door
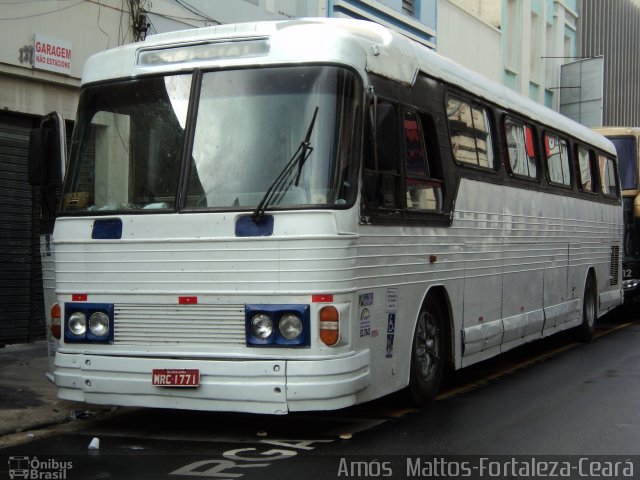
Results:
47 160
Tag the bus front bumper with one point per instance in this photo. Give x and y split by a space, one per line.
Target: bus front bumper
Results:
254 386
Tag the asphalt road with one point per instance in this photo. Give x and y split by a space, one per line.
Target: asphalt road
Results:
555 400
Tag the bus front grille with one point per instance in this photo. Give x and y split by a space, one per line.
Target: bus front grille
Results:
179 325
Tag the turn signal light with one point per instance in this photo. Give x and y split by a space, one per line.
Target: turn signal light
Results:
329 325
56 315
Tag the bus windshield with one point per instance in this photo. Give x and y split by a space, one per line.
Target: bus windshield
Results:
127 145
627 161
130 149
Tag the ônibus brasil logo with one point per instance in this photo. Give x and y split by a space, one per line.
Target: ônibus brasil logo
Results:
34 469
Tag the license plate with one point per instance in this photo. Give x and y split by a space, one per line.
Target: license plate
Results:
189 377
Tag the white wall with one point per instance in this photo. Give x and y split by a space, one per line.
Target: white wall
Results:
469 40
489 11
78 24
87 27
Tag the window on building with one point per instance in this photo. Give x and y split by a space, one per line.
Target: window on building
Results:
549 52
521 148
567 46
409 8
512 27
534 59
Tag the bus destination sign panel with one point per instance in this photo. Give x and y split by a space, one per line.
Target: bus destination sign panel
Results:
184 378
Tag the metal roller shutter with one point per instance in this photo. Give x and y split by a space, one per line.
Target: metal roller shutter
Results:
21 301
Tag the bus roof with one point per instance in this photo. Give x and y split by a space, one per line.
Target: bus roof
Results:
363 45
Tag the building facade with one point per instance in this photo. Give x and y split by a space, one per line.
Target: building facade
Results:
610 31
41 57
536 38
414 18
469 33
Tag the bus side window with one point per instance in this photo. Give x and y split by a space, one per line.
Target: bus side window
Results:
382 175
521 149
470 131
584 165
422 180
608 181
557 156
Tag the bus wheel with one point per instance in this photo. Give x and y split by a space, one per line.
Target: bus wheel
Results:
589 311
427 355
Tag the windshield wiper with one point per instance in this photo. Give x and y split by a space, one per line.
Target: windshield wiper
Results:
297 160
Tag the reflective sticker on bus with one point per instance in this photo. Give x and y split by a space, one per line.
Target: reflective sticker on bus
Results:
365 323
392 300
391 330
366 299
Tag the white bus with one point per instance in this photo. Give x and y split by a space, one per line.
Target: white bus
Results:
310 214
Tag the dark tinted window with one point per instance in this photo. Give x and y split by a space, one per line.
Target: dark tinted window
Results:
627 161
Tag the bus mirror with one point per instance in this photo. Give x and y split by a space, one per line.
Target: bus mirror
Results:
47 156
47 151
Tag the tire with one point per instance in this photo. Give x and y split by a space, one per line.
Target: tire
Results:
586 331
427 355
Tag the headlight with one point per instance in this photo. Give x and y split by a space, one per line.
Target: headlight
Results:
261 326
78 323
99 324
276 325
86 322
290 326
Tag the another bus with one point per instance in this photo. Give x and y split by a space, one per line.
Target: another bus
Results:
310 214
626 143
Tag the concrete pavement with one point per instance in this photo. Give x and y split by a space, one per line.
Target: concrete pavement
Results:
28 401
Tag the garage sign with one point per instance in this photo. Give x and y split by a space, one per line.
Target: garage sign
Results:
52 54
